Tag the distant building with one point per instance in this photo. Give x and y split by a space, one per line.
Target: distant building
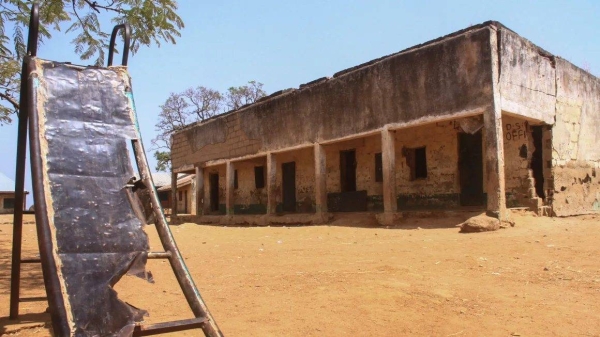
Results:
478 118
162 179
186 203
7 195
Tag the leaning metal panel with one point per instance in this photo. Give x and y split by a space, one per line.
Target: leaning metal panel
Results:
85 123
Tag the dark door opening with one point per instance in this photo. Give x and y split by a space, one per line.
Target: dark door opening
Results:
537 161
348 170
470 166
185 203
288 177
213 182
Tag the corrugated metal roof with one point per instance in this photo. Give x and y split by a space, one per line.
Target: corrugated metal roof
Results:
182 181
161 179
6 184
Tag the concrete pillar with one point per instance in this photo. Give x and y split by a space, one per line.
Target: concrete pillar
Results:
229 179
271 187
388 160
494 143
320 179
199 193
206 199
173 195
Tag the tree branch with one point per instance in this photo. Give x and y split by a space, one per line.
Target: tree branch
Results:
94 5
11 100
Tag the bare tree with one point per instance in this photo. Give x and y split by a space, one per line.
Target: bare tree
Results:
196 105
179 110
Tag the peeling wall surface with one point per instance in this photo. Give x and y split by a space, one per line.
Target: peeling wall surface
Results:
542 87
440 142
305 178
247 198
575 139
518 151
437 79
439 190
220 170
527 78
186 204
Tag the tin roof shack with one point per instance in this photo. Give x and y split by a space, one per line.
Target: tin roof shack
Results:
7 195
481 117
186 203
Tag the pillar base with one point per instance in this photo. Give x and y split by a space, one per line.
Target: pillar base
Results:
388 218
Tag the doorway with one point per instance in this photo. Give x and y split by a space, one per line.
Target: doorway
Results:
288 177
470 166
537 161
348 170
185 203
213 182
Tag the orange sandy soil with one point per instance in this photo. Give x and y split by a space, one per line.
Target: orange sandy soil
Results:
540 278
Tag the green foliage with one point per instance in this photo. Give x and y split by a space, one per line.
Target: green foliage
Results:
196 105
163 160
151 21
245 94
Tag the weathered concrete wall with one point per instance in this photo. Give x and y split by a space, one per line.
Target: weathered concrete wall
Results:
182 201
247 198
447 78
441 187
220 170
441 144
527 78
365 148
518 150
305 178
575 139
442 78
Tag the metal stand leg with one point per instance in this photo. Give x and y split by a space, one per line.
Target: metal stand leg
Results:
15 276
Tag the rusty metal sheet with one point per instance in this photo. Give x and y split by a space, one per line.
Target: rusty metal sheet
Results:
86 121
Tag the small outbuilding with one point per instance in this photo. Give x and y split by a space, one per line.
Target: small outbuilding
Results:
7 195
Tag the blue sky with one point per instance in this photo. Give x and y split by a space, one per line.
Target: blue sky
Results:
286 43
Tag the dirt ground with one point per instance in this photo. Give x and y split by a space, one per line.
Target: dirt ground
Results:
540 278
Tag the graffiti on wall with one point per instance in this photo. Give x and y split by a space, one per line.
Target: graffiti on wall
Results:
516 131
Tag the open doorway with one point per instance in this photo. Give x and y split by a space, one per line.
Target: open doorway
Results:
213 182
537 161
348 170
185 202
288 177
470 166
